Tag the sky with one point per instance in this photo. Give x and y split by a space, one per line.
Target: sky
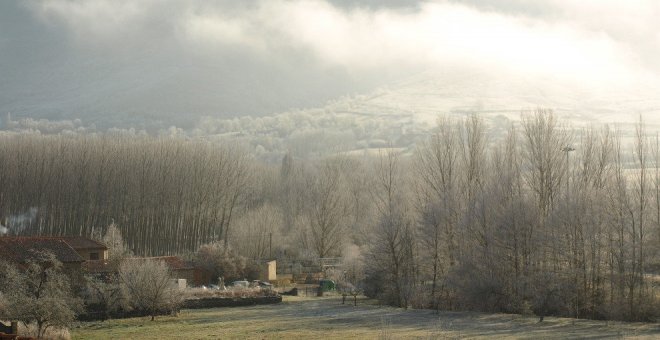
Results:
134 61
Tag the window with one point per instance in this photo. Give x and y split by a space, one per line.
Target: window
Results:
93 256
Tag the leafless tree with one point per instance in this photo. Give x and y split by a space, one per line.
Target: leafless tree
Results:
258 231
150 287
543 144
327 212
391 259
40 293
108 295
117 250
437 183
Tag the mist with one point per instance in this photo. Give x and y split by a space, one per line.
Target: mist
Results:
153 64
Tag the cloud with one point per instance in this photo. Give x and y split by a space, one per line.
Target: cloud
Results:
576 40
96 19
264 56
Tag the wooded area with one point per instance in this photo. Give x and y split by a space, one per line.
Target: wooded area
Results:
168 196
546 219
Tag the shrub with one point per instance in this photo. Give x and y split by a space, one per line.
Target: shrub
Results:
221 261
149 286
106 296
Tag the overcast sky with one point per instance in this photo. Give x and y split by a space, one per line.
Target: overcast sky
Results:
61 58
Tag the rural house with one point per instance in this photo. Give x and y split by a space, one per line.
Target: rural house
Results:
20 250
179 268
87 248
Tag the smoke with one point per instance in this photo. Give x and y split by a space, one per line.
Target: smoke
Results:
18 223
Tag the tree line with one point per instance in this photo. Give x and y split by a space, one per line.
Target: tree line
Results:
168 195
546 219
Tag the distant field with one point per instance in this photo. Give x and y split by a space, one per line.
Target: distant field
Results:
327 318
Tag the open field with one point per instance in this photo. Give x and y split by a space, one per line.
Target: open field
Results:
327 318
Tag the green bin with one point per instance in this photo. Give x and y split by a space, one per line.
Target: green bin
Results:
327 285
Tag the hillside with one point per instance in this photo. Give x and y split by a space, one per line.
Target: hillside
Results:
399 114
402 113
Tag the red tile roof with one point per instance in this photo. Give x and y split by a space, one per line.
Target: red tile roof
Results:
81 242
77 242
21 249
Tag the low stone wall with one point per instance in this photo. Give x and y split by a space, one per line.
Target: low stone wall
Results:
213 302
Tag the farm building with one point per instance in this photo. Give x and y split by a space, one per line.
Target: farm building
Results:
267 270
20 250
179 268
61 246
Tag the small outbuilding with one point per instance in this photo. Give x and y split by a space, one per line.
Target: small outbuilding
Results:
267 270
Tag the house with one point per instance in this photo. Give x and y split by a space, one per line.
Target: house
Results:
88 249
179 268
72 251
21 249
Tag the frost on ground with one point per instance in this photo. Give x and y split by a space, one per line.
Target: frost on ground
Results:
401 323
327 318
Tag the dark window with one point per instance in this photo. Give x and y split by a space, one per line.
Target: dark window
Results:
93 256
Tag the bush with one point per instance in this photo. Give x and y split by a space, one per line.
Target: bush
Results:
200 293
221 261
105 296
149 286
32 330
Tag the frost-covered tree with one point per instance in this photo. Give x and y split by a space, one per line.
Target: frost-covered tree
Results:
117 249
39 293
221 261
149 286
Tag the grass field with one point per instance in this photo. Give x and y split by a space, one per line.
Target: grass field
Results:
327 318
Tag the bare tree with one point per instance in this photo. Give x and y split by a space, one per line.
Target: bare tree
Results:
117 250
391 266
258 231
437 184
150 287
328 210
543 143
107 295
40 293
